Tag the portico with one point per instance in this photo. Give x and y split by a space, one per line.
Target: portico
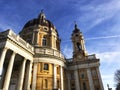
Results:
14 59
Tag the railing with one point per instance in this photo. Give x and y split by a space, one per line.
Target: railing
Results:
89 57
9 33
47 51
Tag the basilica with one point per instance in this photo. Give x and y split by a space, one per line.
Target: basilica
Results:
32 60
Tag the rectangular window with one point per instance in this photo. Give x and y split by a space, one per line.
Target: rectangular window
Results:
46 66
82 75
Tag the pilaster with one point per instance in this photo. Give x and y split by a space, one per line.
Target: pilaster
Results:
68 80
90 79
34 76
61 77
100 80
55 76
77 84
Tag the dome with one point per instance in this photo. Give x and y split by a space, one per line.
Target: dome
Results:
41 20
40 32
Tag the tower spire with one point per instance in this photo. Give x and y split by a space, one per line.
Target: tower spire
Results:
75 24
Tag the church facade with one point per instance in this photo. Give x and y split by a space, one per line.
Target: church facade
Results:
33 60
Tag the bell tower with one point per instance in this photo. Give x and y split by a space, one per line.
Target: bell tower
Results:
79 51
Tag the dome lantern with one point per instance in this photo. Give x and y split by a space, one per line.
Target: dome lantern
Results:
42 16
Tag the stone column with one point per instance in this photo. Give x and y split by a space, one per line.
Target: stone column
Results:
68 80
28 76
61 77
55 76
77 84
9 72
21 76
2 78
2 57
90 79
34 76
100 80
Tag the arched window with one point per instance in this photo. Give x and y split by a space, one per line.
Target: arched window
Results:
44 41
79 46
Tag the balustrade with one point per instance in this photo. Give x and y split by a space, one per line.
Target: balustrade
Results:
10 34
46 51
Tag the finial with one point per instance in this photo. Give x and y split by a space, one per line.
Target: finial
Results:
75 24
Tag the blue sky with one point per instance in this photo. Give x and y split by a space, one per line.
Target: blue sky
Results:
99 21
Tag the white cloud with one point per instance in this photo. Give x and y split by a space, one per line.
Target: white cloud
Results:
103 37
110 62
109 57
96 14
